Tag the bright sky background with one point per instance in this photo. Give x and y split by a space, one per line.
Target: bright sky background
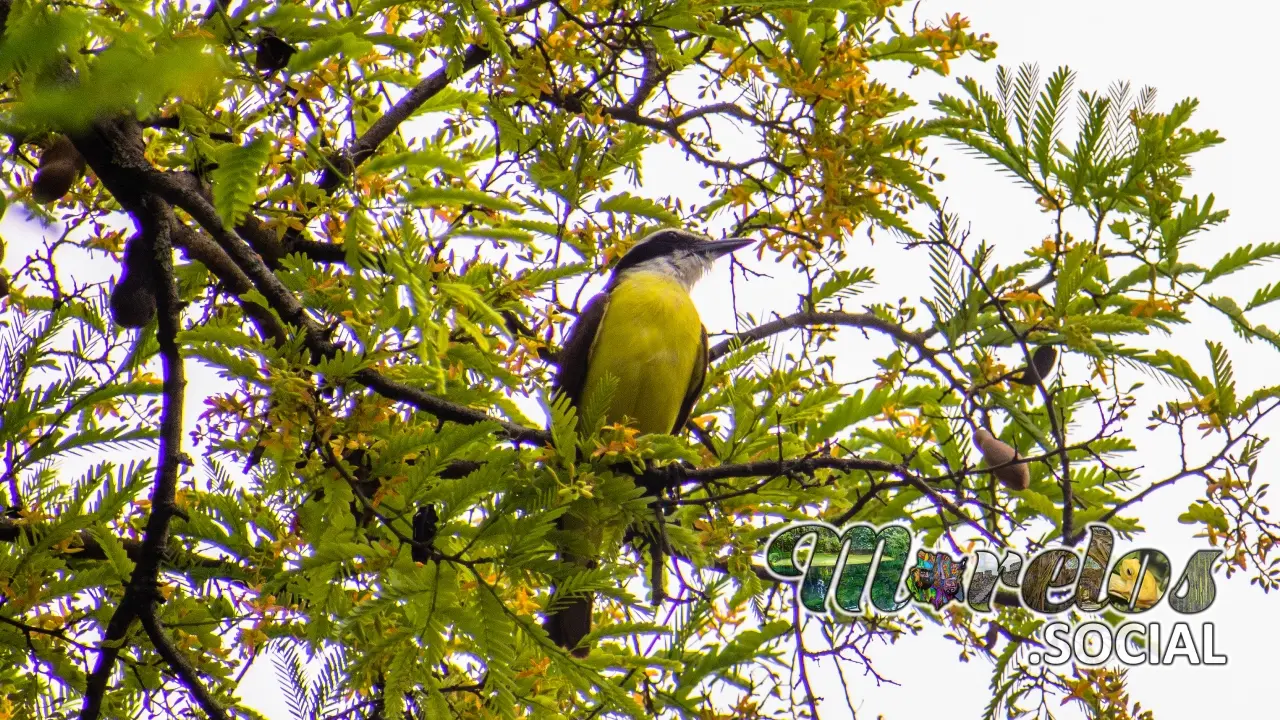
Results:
1212 52
1183 49
1208 51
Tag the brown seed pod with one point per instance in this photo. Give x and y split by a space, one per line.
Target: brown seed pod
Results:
997 452
273 53
425 523
133 299
61 165
138 257
1041 366
133 304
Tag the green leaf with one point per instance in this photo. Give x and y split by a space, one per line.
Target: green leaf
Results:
347 46
1241 258
125 77
1223 378
495 35
235 180
1264 296
459 197
1111 324
1049 115
1205 514
743 647
843 284
426 158
470 298
632 205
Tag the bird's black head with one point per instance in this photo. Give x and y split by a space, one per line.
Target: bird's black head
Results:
683 254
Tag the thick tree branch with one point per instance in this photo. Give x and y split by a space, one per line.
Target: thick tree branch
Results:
116 153
444 409
114 150
200 247
140 592
88 548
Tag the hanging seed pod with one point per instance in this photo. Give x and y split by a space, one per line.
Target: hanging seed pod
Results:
425 524
132 303
997 452
1041 366
273 53
133 299
60 167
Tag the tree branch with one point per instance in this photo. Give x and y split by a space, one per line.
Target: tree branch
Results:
115 151
808 319
140 592
180 666
90 549
201 247
340 164
282 300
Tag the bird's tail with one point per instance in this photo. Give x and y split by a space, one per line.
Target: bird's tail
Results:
568 625
655 538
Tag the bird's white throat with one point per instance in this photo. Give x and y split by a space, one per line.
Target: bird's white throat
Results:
685 268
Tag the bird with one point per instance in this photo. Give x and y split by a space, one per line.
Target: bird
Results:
643 331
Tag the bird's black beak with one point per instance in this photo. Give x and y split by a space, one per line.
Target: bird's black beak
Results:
720 248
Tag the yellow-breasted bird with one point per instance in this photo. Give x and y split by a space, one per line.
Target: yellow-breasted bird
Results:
644 331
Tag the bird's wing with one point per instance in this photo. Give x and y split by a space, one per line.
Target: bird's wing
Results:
695 385
572 362
572 622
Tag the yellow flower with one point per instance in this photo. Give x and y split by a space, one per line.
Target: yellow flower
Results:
524 603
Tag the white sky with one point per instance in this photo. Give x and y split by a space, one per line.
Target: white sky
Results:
1182 49
1211 52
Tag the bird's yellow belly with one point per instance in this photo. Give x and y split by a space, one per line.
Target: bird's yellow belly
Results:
649 341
